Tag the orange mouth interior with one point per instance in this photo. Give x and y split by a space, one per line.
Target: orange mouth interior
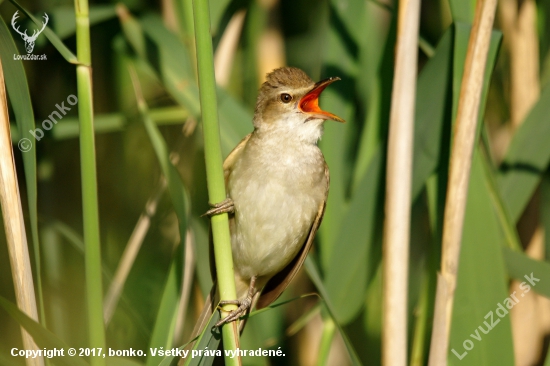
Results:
310 102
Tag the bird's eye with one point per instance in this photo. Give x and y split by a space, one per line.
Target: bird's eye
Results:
286 98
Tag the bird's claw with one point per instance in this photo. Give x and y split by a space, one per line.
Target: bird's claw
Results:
225 206
243 304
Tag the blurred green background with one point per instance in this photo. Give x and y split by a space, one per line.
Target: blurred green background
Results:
508 204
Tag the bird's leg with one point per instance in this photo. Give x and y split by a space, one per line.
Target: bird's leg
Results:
225 206
244 304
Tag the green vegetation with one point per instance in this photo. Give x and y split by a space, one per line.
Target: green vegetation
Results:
108 241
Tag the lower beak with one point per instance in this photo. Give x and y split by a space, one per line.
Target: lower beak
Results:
310 102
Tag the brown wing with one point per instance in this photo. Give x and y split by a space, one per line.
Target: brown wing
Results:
227 168
233 156
278 283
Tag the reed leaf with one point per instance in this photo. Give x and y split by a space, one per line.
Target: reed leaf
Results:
43 337
520 267
18 90
480 287
170 61
526 159
14 224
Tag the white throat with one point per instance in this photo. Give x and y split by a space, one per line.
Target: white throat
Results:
294 128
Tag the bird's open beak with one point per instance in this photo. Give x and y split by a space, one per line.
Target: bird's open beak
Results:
310 102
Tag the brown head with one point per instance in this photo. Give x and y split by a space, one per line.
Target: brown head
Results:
290 98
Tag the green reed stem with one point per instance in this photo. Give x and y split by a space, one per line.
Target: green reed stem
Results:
214 170
94 290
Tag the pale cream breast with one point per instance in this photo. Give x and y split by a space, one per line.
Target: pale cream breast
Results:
277 191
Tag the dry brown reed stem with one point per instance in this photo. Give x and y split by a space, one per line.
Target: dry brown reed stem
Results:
459 175
14 225
531 320
271 45
169 14
519 25
130 252
227 48
398 187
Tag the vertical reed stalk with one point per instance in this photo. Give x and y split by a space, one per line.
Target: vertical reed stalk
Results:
184 10
214 170
459 175
14 225
519 25
186 285
518 19
131 251
398 186
227 48
327 336
94 288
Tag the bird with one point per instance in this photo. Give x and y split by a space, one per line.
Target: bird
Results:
277 184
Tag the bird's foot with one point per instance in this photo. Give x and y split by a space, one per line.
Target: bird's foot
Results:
244 305
225 206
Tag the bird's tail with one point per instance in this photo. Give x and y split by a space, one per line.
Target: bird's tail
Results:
210 305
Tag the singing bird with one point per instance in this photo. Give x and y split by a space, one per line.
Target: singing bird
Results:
277 183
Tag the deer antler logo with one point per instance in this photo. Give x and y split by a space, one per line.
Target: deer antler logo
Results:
29 40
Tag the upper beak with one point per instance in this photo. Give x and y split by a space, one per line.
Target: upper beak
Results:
310 102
